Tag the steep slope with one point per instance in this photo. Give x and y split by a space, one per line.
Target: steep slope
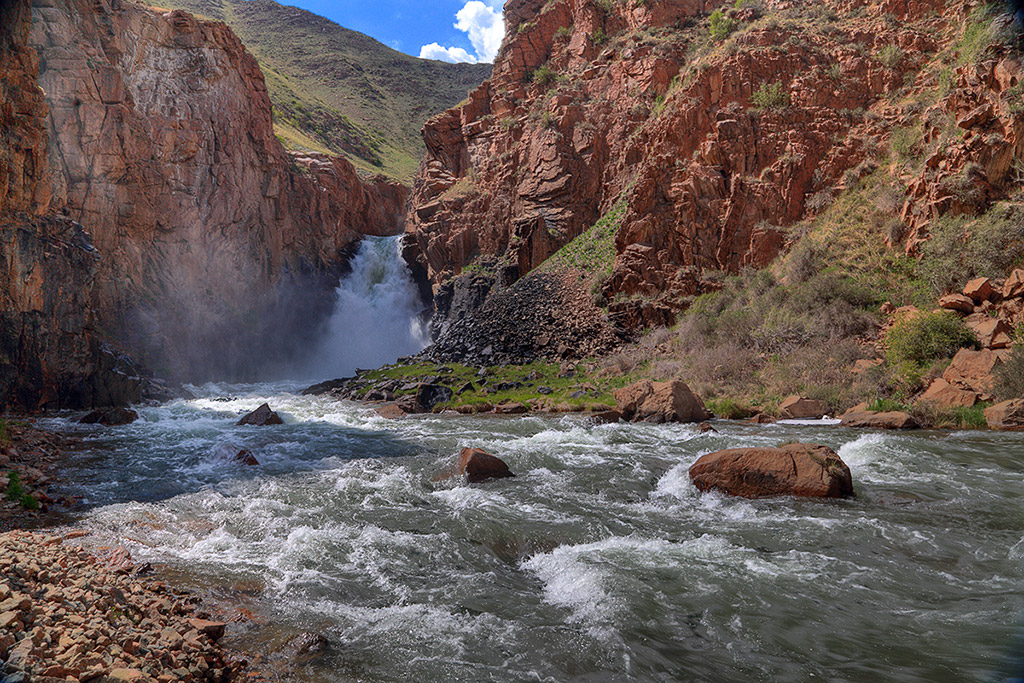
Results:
706 131
167 216
338 90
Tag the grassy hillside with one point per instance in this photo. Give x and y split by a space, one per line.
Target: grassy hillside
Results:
339 91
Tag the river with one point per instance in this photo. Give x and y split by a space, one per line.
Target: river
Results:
598 562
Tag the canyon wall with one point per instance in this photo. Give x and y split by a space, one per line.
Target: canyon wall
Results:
209 252
710 143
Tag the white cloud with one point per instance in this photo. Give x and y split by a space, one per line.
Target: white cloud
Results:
485 26
445 54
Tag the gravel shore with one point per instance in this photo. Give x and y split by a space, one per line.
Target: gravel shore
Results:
68 615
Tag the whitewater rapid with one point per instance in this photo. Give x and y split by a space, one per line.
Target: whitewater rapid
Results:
599 561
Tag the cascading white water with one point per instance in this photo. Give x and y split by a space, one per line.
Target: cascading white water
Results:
376 317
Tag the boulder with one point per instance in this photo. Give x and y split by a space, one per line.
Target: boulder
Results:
801 469
1014 285
649 401
606 417
480 466
262 417
429 395
110 417
390 411
762 419
307 646
945 396
705 427
974 370
992 333
511 408
957 302
246 457
799 408
1007 416
979 290
870 419
213 629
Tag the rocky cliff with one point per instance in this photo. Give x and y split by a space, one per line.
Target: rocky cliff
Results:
214 248
708 129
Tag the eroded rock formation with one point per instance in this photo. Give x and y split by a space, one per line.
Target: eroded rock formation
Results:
710 148
176 224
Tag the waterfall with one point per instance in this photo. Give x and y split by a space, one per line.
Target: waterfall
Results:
376 317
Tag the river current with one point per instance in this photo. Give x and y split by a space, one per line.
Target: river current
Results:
599 562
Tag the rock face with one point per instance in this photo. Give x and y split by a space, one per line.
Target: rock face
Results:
1006 416
600 106
945 396
658 402
262 417
806 470
480 466
155 205
799 408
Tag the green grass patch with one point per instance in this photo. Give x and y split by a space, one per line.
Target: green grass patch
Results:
888 405
594 250
729 408
16 492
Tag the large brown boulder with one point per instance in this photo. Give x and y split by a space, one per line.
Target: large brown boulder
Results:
110 417
480 466
973 370
262 417
870 419
799 469
1007 416
945 396
979 290
957 302
992 333
799 408
1014 285
647 401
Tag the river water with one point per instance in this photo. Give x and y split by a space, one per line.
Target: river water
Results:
598 562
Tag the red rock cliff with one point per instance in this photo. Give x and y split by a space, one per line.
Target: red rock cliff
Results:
156 137
713 146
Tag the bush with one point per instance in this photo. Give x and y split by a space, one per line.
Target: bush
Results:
16 492
5 432
770 96
544 76
925 337
1010 375
729 409
887 405
721 26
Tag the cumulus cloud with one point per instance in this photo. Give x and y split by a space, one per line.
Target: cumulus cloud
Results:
445 54
485 26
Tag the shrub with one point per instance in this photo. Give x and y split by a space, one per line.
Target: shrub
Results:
5 432
729 409
544 76
1010 375
563 32
890 56
16 492
887 405
770 96
721 25
925 337
599 36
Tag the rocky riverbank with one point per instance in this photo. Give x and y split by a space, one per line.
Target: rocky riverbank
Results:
66 614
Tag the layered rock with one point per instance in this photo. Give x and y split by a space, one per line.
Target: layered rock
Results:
599 105
163 146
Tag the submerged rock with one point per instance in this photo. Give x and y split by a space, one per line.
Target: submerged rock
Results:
648 401
262 417
246 457
807 470
480 466
390 411
1007 416
110 417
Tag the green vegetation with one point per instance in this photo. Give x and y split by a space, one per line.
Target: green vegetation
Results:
1010 374
729 409
890 56
338 91
16 492
721 25
5 432
770 96
593 251
544 76
537 384
926 337
887 405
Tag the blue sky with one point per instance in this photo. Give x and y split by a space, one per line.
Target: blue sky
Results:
423 29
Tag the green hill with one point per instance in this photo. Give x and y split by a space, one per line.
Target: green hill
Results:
338 91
